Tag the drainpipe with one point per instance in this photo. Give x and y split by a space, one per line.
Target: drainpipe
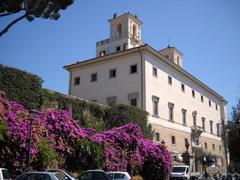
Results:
70 83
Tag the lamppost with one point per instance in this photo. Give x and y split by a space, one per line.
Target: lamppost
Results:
163 143
30 137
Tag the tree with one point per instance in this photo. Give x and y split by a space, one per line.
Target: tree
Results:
31 9
205 158
234 134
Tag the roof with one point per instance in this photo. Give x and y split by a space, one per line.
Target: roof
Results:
151 50
172 47
129 14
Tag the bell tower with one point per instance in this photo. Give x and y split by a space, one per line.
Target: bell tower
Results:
125 33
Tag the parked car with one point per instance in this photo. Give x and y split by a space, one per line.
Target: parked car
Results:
40 176
183 172
118 175
94 175
66 175
4 174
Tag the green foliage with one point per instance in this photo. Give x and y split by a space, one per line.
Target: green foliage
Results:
32 9
205 158
120 114
86 155
35 8
47 154
88 113
21 86
3 130
234 134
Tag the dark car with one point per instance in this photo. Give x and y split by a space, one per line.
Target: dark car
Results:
94 175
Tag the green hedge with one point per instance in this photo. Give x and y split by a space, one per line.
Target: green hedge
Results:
26 89
21 86
89 114
121 114
101 117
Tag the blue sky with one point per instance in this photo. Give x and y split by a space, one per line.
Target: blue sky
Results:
206 31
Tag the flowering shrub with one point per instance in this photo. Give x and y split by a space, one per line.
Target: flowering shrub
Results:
57 126
125 149
55 133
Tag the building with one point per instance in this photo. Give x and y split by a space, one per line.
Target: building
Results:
125 70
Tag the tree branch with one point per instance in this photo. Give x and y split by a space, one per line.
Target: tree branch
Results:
5 14
11 24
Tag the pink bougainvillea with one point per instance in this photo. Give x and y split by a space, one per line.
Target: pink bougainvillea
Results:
124 148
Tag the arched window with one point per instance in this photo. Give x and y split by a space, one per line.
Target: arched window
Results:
134 30
119 29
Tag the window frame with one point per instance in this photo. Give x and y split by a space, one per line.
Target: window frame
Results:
155 101
111 73
183 87
170 80
184 117
154 71
171 111
173 140
77 83
193 93
131 66
94 77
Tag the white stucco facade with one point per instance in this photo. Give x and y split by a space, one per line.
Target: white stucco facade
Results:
158 81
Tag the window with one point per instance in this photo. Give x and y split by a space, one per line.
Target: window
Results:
154 71
94 77
193 93
111 100
202 100
133 98
216 107
169 80
194 114
205 145
183 87
186 142
112 73
157 135
102 53
173 140
184 112
220 148
124 46
134 30
171 113
155 100
203 123
218 129
210 103
213 147
76 81
119 29
133 102
178 60
118 48
133 69
211 126
197 141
